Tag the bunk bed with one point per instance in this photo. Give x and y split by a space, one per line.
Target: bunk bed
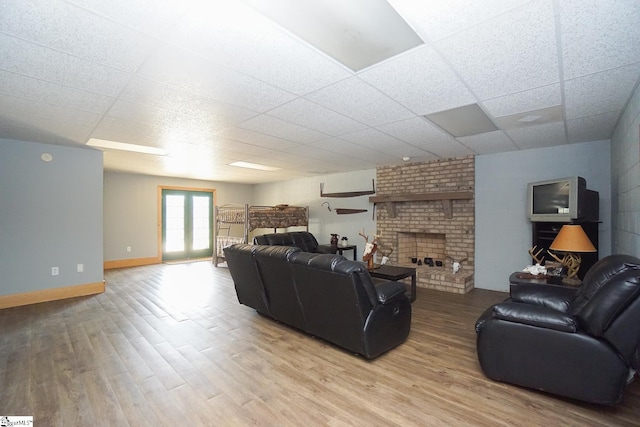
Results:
230 220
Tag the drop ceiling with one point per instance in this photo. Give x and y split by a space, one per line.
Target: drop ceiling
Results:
215 82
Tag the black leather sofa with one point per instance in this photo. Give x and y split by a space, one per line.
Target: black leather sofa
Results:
582 343
301 239
324 295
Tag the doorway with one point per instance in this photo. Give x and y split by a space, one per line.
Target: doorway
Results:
187 224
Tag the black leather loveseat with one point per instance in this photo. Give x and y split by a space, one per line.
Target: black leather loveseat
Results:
300 239
582 343
324 295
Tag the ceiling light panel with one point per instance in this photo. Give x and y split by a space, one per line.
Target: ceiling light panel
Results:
357 33
123 146
256 166
463 121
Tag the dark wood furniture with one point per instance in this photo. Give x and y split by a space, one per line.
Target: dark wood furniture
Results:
395 273
353 248
522 278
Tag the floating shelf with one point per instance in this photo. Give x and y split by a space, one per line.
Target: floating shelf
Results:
346 211
349 193
445 198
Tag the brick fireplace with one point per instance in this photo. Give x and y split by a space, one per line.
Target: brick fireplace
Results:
427 210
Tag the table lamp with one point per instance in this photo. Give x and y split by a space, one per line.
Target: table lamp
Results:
570 240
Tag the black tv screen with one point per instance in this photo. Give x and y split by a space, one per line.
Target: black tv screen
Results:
551 198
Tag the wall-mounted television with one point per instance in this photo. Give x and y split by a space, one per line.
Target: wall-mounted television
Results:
562 200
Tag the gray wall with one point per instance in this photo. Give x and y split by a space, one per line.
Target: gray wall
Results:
625 180
50 216
306 192
503 231
131 210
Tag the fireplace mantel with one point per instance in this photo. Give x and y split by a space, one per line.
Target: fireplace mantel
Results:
445 198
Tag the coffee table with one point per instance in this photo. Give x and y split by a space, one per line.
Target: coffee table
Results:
395 273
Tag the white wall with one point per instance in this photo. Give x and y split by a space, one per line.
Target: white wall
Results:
50 216
625 168
503 231
306 192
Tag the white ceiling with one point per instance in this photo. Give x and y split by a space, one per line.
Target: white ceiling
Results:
215 82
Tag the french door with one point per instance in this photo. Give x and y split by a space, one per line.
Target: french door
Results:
187 218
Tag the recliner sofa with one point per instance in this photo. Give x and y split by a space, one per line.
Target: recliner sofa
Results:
301 239
582 343
324 295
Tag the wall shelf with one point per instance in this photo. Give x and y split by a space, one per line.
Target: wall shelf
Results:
348 193
445 197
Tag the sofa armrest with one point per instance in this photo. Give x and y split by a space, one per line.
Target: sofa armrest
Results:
554 297
534 315
389 290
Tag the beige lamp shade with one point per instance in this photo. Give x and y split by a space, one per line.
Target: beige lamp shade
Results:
572 238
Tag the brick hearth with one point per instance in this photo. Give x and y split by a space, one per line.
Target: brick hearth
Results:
422 228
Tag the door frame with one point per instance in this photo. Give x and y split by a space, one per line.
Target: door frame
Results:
159 209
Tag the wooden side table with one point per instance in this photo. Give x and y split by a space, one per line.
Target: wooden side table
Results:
395 273
353 248
522 278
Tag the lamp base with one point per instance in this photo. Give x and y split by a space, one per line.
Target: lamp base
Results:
572 281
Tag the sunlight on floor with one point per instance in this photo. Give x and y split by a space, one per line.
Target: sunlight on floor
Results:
188 285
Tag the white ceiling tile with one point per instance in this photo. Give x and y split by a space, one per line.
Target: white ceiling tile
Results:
510 53
601 92
272 54
281 129
420 80
379 141
22 57
435 20
193 73
27 111
255 138
326 150
592 128
52 93
73 30
356 99
43 131
424 135
489 143
166 97
547 135
528 100
598 35
313 116
153 17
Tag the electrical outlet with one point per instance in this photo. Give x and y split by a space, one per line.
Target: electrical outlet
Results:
128 248
80 268
55 271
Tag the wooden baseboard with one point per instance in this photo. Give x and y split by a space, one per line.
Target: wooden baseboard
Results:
45 295
131 262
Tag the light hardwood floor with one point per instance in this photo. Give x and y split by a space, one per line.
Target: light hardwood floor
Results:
170 345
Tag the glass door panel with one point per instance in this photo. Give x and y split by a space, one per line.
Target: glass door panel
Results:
187 218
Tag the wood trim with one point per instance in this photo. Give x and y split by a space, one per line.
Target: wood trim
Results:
131 262
46 295
445 198
410 197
